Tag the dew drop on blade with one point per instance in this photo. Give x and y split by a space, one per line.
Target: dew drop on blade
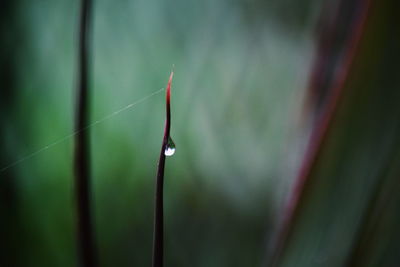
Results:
170 148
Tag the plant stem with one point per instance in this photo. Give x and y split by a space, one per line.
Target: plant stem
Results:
86 250
158 241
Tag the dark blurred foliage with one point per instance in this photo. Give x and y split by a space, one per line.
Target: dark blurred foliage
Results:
12 229
345 212
337 26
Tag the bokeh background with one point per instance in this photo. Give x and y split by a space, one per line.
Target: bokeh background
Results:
238 120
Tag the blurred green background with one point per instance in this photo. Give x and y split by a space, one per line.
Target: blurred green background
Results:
241 69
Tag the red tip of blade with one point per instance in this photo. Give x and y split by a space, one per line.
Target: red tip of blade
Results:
169 87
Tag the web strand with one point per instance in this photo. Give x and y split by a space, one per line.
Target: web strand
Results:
33 154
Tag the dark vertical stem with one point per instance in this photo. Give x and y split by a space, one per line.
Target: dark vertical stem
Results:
158 242
85 234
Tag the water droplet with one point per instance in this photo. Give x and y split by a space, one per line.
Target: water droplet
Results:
170 148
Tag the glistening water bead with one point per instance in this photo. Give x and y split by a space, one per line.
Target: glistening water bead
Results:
170 148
